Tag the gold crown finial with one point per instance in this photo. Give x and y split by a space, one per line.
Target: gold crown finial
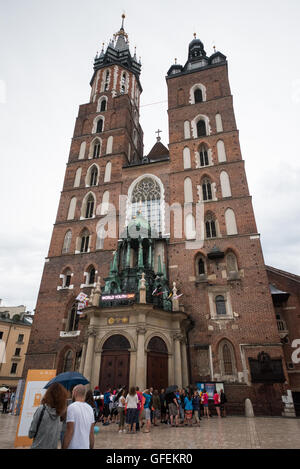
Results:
123 18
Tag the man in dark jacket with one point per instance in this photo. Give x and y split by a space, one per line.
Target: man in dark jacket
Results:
223 401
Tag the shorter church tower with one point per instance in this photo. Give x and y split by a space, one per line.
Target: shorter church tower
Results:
222 271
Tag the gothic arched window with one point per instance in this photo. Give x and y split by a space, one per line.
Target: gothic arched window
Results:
123 82
73 318
94 176
146 197
201 266
96 148
103 105
106 80
206 189
66 278
198 95
99 127
210 227
84 241
227 359
204 161
91 275
90 203
201 128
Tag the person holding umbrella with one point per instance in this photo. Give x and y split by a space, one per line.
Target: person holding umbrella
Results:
45 426
68 380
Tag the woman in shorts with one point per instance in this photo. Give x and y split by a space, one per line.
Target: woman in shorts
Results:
204 400
217 403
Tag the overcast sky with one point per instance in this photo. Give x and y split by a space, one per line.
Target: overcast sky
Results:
47 52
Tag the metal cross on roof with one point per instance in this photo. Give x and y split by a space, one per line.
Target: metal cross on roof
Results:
158 132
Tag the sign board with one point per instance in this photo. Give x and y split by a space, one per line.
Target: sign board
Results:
210 388
33 393
121 296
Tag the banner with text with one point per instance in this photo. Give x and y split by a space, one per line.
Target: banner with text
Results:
35 382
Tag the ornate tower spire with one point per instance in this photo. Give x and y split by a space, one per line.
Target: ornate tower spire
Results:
122 38
118 53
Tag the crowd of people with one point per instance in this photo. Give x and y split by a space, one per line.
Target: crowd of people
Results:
136 410
7 400
74 417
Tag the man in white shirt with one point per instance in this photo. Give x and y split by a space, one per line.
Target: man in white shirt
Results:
80 422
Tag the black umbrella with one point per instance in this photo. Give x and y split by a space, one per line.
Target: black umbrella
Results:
171 389
68 379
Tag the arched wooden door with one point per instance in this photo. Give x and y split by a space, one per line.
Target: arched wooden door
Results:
157 364
114 370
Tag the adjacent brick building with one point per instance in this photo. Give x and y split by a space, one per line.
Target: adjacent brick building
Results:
206 248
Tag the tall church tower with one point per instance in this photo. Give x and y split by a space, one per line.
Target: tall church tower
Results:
106 137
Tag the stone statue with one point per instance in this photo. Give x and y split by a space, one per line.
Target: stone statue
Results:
97 293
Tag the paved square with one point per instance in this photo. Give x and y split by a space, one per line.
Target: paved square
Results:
228 433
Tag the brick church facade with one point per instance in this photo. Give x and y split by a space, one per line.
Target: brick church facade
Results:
164 245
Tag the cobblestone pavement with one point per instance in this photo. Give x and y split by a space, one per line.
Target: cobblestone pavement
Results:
215 433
